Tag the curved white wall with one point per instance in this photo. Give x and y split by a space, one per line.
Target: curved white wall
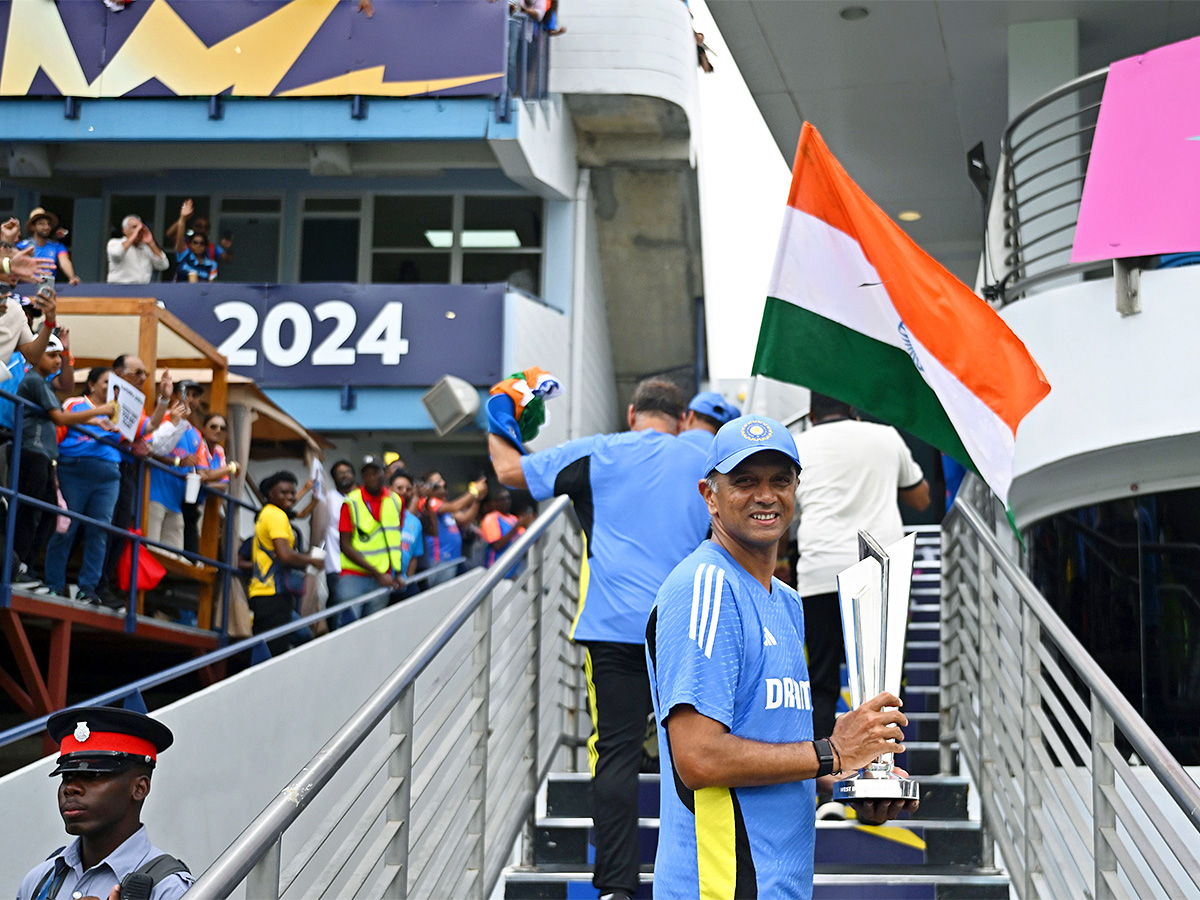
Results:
630 47
1122 416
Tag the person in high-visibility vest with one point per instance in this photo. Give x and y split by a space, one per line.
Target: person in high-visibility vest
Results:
371 542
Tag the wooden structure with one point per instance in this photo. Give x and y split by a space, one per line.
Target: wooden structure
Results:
100 329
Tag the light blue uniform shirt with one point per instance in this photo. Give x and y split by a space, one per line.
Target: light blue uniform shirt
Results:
98 881
699 437
411 540
718 641
637 498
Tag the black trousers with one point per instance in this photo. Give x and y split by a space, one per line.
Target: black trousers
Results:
619 702
826 653
34 526
271 611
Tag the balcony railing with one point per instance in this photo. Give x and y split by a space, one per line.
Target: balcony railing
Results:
1044 158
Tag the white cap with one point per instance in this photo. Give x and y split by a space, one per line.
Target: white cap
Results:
54 344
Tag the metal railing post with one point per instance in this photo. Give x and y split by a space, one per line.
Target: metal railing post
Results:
1127 284
947 657
983 592
480 726
1104 817
1032 699
400 807
263 880
538 590
139 483
10 518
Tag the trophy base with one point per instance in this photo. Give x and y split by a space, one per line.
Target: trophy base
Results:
860 788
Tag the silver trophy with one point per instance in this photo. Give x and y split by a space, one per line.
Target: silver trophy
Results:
874 595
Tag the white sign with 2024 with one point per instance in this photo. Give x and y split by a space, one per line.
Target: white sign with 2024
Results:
382 337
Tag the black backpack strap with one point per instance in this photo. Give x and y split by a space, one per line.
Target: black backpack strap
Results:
162 866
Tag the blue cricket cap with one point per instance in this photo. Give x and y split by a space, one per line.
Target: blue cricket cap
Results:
745 436
712 404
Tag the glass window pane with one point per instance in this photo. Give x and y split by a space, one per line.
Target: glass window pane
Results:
251 205
122 205
521 270
332 204
497 216
410 268
329 250
403 221
255 250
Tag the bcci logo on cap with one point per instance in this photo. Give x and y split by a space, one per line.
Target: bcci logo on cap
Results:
756 431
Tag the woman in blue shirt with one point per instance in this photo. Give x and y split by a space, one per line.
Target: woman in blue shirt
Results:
89 478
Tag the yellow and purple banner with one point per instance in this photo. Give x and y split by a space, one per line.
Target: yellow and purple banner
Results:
252 48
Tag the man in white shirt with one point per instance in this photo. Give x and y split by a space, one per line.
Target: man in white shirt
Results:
344 481
133 258
854 472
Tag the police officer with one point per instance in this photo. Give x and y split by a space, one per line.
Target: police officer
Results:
106 759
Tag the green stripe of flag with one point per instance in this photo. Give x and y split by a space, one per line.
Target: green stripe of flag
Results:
801 347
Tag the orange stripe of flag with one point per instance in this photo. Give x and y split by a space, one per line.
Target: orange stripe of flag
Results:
948 318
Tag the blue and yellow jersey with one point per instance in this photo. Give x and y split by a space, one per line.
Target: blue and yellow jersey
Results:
637 499
718 641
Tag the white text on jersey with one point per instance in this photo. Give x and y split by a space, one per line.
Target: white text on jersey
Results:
788 693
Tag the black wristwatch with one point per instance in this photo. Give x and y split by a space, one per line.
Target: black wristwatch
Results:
824 757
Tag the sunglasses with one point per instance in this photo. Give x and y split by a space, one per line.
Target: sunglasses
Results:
215 427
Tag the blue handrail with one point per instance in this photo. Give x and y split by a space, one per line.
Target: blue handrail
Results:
135 688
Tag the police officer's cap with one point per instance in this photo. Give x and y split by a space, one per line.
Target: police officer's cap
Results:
106 739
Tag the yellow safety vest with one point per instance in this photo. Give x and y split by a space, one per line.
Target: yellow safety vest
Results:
378 542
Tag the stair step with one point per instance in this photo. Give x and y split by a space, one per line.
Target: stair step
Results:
569 795
904 842
892 883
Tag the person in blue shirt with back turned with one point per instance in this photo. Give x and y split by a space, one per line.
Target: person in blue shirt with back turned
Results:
635 495
707 412
725 646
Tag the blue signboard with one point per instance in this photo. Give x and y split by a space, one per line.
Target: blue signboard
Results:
332 335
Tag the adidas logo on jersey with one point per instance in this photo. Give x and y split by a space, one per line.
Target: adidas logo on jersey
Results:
768 638
788 693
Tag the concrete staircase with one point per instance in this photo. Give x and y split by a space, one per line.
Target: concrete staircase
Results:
934 855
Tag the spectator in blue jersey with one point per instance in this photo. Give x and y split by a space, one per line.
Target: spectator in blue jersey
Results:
41 226
707 412
179 444
89 479
192 260
635 495
725 647
412 538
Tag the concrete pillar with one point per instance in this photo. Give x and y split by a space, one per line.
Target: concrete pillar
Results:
1041 57
89 237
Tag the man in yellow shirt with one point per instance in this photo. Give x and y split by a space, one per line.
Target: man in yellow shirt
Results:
274 551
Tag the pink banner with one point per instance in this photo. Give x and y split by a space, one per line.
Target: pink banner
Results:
1141 196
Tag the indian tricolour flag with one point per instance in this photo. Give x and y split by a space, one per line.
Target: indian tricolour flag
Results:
858 311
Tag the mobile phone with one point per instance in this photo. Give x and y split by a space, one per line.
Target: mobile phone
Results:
45 286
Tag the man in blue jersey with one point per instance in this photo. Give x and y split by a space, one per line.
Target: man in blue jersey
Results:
707 412
635 495
725 645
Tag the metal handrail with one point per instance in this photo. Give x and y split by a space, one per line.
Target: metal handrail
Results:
1016 150
1037 721
35 726
259 842
1183 790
